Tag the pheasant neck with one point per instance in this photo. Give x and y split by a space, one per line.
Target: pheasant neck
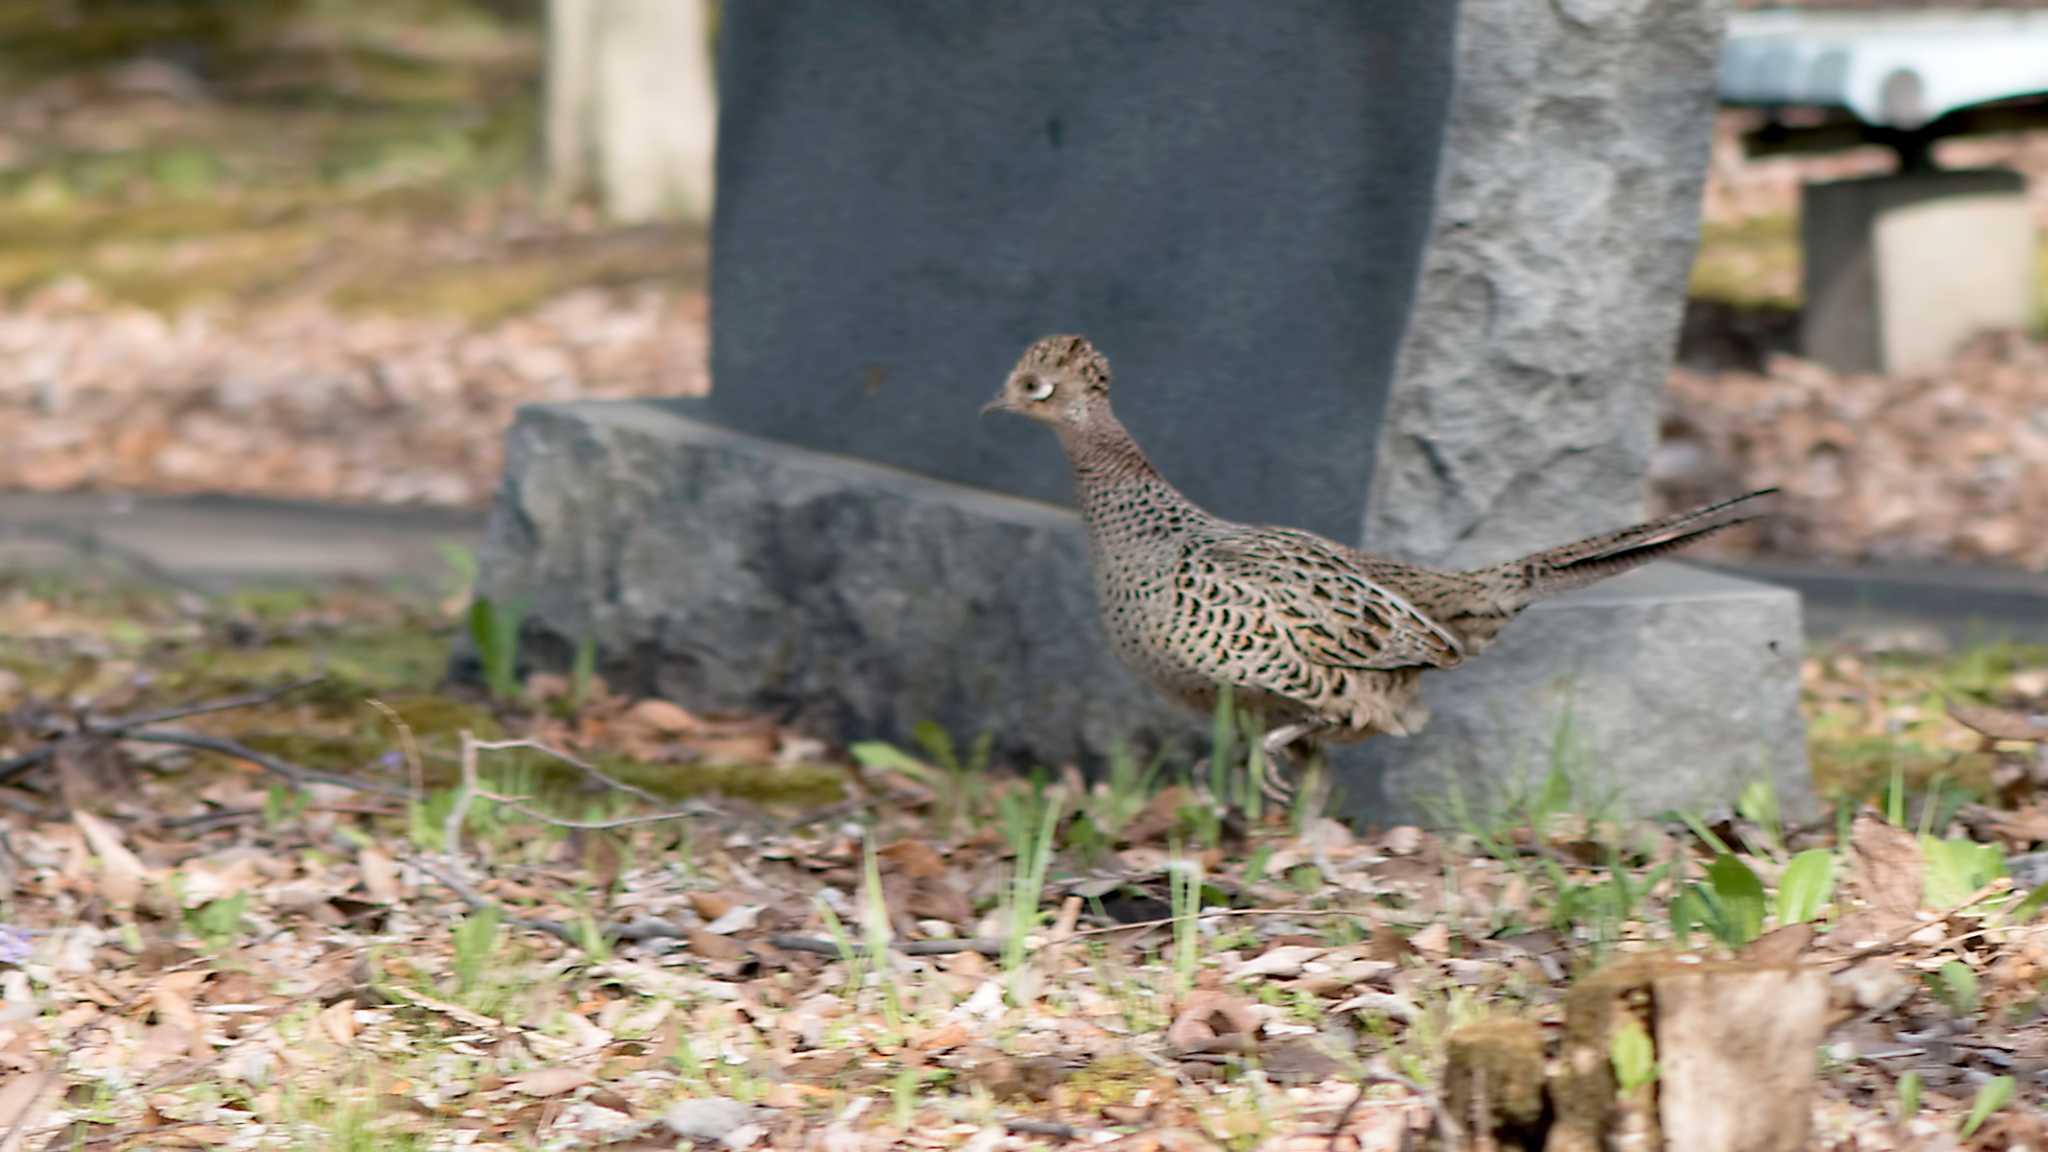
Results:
1110 469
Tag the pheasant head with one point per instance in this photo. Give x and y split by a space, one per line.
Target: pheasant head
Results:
1060 380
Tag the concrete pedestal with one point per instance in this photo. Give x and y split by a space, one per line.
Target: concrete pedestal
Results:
1902 269
856 600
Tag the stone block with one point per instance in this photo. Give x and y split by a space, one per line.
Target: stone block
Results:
1902 269
855 600
1666 688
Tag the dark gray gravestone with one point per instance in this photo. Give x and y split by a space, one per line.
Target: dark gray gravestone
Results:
1233 199
1232 203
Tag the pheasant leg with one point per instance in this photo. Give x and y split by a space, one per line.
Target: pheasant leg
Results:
1274 747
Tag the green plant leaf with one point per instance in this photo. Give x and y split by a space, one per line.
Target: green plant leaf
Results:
583 672
1804 888
494 629
1995 1094
884 757
1690 912
1633 1055
1956 984
1758 804
1741 896
1909 1096
1953 870
937 744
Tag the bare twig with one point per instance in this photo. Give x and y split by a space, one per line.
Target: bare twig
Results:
470 791
820 815
234 815
479 902
1141 925
1904 936
575 762
415 765
297 774
458 812
1447 1126
124 727
991 946
203 708
450 873
1050 1128
518 805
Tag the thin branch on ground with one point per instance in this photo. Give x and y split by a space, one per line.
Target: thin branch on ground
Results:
204 820
991 946
126 728
575 762
458 811
479 902
415 764
1142 925
294 773
1051 1129
201 708
471 791
519 805
1448 1128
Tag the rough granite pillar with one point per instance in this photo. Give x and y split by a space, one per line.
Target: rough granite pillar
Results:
1567 217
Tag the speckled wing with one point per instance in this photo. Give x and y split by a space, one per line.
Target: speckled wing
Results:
1315 605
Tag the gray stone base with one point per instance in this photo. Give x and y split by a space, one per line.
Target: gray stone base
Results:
1666 688
855 600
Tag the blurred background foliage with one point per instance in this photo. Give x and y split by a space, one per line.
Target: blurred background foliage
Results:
374 153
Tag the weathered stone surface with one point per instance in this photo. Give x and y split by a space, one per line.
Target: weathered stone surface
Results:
1668 687
1233 209
1567 213
856 600
851 599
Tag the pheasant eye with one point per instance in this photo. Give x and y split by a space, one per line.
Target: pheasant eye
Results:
1037 388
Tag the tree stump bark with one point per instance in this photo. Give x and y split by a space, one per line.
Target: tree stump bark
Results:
1734 1050
1493 1079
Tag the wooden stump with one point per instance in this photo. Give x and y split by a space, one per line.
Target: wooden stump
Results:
1493 1078
1737 1050
1734 1046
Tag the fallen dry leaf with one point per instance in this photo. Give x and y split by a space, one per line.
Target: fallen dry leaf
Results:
1998 723
662 717
25 1099
1887 866
121 871
173 1009
551 1081
380 874
338 1021
1207 1017
1780 945
1283 962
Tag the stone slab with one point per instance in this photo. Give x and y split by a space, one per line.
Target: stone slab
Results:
856 600
1234 209
1664 688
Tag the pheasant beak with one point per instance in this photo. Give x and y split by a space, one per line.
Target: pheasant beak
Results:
999 404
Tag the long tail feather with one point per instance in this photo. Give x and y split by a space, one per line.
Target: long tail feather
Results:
1595 558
